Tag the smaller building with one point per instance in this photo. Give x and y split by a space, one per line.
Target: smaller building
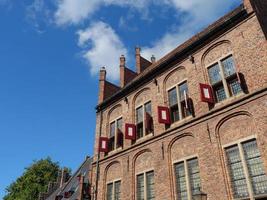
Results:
77 187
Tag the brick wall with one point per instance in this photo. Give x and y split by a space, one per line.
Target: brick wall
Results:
203 135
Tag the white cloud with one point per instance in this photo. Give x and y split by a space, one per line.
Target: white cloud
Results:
102 47
198 15
75 11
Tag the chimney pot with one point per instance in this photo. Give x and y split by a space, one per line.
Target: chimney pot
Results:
122 61
153 59
102 74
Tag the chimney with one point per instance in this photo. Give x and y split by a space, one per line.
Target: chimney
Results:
126 75
141 62
122 71
248 5
102 80
153 59
138 59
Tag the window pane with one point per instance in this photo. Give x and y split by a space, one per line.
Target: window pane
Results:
235 87
181 189
117 190
112 129
174 113
194 176
236 172
148 108
255 167
150 185
214 74
140 187
139 114
119 124
219 93
228 66
172 97
109 191
183 89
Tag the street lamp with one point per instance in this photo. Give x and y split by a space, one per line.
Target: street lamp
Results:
199 195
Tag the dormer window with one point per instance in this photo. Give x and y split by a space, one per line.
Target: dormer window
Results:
224 79
143 120
178 102
115 134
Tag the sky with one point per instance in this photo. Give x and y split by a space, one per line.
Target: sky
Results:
50 55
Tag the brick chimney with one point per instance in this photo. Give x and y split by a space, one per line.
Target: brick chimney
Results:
248 5
106 89
141 63
126 75
102 80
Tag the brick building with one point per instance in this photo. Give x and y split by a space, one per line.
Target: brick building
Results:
192 122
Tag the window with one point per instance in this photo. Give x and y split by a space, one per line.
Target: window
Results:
145 186
179 107
224 79
115 134
141 113
114 190
187 178
246 170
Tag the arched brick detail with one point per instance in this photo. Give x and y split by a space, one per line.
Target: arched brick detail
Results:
179 138
111 172
138 155
229 129
173 78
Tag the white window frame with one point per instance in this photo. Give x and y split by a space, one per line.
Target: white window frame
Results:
145 181
116 131
144 118
188 186
176 86
113 187
244 164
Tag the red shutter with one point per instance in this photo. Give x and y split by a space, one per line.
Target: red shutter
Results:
130 131
206 93
103 144
148 122
164 115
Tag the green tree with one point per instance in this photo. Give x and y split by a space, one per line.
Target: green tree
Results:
33 181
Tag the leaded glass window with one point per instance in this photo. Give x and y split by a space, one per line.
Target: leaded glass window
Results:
145 186
214 74
187 177
109 191
245 157
114 190
140 187
255 166
238 179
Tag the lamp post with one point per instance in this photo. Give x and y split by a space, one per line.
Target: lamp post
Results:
199 195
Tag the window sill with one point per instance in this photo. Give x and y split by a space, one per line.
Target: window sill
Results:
228 100
181 121
115 151
144 138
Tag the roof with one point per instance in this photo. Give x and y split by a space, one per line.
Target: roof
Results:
73 182
179 53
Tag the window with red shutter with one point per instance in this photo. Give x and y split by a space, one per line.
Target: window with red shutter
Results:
206 93
130 131
164 115
103 144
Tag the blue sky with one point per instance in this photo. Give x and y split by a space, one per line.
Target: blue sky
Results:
50 54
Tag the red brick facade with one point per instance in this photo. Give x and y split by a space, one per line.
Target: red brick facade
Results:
203 135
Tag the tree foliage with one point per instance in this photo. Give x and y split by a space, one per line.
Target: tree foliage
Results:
33 181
